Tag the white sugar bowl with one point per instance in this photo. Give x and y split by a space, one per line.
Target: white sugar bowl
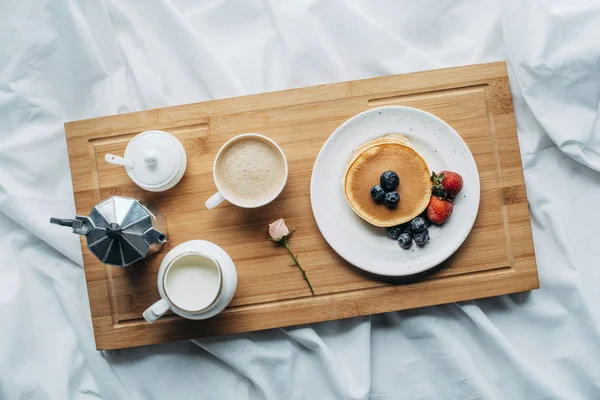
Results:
154 160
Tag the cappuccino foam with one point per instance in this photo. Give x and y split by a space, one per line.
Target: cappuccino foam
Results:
250 171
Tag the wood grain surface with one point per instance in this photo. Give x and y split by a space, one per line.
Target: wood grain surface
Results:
497 258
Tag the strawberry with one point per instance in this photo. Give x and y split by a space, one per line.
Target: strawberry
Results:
446 185
439 210
452 183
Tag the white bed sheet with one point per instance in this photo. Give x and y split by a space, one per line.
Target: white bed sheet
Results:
63 60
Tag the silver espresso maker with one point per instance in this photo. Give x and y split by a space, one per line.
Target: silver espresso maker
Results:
120 230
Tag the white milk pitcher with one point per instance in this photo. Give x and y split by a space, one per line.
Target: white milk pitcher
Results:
196 280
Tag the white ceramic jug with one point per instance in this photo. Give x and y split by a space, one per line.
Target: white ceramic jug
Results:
196 280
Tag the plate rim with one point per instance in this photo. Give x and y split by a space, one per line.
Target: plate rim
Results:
437 261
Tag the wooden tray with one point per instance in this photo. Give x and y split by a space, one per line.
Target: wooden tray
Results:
497 258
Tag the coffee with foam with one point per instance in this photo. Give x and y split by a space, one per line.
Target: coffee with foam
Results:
250 171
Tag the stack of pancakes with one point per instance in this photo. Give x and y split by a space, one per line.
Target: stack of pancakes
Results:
389 153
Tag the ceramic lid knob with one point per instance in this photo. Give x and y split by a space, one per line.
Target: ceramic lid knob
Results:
151 157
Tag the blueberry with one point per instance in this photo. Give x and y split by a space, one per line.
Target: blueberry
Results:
377 193
418 224
407 228
391 199
394 231
389 181
422 238
405 240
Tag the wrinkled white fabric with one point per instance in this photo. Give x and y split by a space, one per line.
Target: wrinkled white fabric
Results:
63 60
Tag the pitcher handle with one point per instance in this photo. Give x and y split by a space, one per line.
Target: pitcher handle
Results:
214 200
156 310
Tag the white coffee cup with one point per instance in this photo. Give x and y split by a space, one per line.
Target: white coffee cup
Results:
225 194
196 280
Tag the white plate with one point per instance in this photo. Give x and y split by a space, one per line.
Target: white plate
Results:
365 245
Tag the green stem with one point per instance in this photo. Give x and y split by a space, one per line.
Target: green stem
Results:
298 265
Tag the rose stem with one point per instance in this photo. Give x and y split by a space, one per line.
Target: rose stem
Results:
298 265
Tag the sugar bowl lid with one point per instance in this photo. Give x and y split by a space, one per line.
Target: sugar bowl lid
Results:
158 159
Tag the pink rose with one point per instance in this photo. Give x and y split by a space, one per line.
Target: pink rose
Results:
278 230
280 233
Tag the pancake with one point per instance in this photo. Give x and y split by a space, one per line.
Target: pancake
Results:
395 138
389 153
